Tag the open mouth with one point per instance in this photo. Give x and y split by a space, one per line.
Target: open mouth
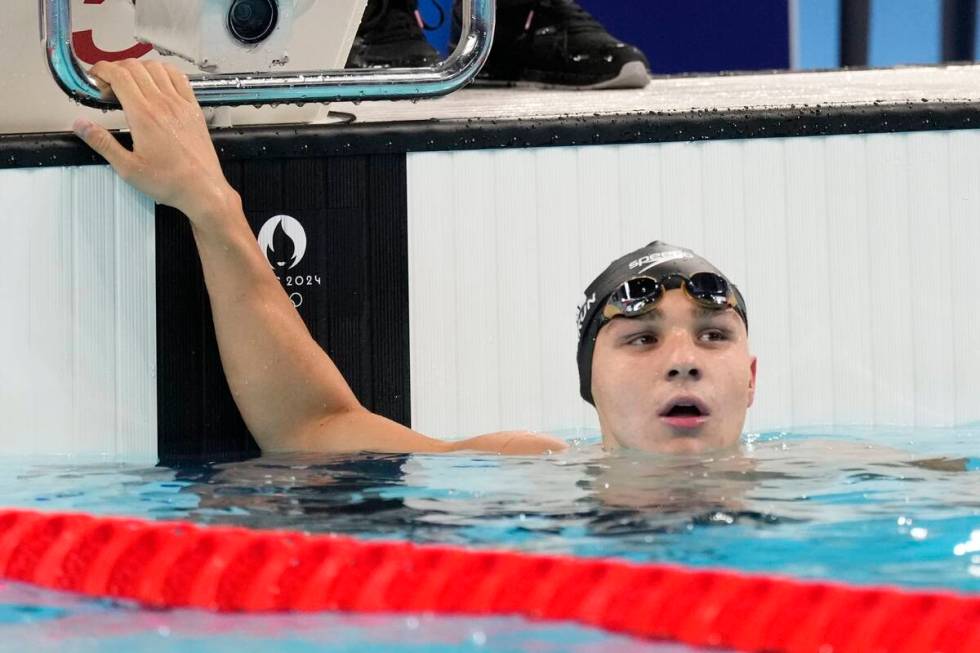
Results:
685 413
681 410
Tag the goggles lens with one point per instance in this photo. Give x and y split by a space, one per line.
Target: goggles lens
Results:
639 295
634 297
710 289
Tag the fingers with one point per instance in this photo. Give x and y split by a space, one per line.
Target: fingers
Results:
147 85
122 83
104 144
181 83
136 81
161 78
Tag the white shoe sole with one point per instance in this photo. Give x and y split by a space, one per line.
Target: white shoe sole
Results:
632 75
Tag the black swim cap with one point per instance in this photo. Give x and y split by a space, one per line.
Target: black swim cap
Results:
657 260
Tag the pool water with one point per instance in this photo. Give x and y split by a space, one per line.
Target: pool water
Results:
40 621
821 504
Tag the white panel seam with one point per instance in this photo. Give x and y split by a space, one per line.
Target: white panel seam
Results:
498 360
76 317
826 287
789 299
117 317
869 321
950 249
913 327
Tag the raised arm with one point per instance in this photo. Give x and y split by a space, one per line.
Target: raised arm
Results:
289 392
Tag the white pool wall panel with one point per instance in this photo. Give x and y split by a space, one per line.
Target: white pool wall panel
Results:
856 254
78 338
964 221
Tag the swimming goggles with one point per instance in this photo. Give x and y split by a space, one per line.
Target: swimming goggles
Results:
639 295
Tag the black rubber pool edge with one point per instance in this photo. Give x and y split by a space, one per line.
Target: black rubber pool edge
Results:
61 149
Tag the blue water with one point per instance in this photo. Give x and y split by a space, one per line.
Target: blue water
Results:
902 511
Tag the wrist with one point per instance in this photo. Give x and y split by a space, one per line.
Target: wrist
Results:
223 202
216 213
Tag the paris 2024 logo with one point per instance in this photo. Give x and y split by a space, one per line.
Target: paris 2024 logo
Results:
282 239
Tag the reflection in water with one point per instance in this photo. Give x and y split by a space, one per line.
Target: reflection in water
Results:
836 509
50 621
430 497
816 508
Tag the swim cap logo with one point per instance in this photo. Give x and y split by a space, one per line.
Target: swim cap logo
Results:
583 310
283 241
653 260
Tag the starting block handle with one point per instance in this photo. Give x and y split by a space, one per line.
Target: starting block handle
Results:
295 87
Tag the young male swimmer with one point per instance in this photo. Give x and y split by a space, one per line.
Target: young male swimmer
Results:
663 338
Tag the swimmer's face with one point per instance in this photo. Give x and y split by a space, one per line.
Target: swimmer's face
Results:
676 380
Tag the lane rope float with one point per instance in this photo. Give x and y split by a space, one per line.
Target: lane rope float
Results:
178 564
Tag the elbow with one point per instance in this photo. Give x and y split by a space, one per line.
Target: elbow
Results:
312 434
514 443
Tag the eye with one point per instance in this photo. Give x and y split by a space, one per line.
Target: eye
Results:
715 335
642 339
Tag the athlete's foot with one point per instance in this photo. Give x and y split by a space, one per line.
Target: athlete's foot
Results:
556 43
391 36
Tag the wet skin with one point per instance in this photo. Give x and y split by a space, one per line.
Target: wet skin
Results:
679 354
291 395
289 392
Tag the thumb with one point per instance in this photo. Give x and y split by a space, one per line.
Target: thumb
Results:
104 143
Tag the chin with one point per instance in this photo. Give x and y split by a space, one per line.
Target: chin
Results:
685 445
676 444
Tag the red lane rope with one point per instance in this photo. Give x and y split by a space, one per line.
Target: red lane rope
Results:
174 564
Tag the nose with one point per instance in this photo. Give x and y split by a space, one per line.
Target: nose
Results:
683 370
683 362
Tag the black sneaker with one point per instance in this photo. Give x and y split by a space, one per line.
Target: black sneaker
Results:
556 43
390 36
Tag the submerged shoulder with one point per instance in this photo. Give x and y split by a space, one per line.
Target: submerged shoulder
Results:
819 449
851 452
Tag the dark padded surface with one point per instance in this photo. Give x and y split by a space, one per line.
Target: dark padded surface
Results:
353 210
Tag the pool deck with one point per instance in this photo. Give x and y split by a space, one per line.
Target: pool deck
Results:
679 108
959 84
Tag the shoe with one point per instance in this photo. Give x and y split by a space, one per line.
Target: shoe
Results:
390 36
556 43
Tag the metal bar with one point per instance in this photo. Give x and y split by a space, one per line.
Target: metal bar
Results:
855 20
959 30
296 87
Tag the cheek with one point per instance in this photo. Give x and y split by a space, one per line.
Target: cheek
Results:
617 376
738 381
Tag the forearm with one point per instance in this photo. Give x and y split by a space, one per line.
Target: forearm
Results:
280 378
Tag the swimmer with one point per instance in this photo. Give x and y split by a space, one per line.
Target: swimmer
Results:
663 336
663 353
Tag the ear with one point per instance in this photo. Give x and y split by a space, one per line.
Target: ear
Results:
752 367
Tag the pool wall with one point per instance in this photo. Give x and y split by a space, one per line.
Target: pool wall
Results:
445 259
78 292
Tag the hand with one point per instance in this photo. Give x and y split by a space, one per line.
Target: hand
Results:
173 160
